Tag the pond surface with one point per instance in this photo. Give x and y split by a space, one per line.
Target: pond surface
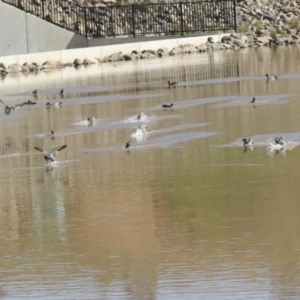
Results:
185 212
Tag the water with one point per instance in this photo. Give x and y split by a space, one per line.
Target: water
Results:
185 212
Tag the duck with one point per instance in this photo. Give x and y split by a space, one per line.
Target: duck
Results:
171 83
127 145
8 109
273 77
253 100
50 157
30 102
34 92
56 104
91 120
61 92
138 116
279 140
248 141
142 129
167 105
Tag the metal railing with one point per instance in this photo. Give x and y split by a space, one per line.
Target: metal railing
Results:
134 20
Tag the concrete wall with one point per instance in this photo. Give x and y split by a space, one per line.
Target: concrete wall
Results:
24 33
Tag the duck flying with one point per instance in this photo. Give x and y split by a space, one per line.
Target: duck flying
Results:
171 83
56 104
167 105
50 157
247 141
273 77
8 109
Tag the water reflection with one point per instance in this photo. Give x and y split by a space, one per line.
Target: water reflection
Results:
178 217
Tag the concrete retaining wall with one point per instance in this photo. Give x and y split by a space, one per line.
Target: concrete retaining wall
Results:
23 33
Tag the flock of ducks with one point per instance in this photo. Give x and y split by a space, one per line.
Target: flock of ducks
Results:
138 117
50 157
248 142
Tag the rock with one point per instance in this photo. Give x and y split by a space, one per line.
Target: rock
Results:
115 57
265 40
78 62
240 43
52 64
127 57
90 61
163 50
15 68
190 49
202 48
176 50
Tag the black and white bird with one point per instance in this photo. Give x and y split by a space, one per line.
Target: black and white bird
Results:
247 141
167 105
127 145
171 83
29 102
91 120
55 104
50 157
279 140
273 77
8 109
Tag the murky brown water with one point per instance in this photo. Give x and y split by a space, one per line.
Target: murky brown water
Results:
186 213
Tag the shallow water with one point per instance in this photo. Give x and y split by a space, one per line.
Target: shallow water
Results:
185 212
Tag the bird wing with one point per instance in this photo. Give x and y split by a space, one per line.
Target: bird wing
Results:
42 150
3 102
18 105
55 150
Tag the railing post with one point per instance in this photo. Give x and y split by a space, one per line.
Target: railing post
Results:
43 9
181 17
133 23
234 13
85 22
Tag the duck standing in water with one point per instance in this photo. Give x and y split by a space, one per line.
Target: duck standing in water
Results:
50 157
273 77
171 83
34 92
248 144
29 102
91 121
247 141
56 104
127 145
167 105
